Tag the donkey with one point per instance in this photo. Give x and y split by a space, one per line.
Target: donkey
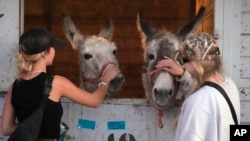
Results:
96 53
161 87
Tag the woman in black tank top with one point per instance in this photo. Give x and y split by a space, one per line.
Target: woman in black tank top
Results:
36 52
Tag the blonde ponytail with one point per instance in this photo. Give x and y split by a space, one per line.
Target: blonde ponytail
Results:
25 63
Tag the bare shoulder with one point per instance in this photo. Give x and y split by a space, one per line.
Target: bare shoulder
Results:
62 85
60 80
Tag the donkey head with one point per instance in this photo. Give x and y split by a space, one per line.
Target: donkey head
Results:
160 86
96 53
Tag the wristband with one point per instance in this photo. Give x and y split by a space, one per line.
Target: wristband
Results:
102 83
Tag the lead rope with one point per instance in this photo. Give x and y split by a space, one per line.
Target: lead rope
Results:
160 113
160 116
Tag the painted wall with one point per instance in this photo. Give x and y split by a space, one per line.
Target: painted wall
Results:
118 117
9 35
244 53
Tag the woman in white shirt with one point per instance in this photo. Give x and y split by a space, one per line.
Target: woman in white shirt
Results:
205 114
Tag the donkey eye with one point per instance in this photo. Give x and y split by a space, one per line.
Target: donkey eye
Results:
114 52
151 56
87 56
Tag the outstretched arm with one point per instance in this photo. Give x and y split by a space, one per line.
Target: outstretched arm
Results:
62 87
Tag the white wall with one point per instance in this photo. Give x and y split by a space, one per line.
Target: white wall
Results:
9 35
244 53
140 118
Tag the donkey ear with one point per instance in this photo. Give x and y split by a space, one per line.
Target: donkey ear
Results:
192 25
71 32
107 30
143 26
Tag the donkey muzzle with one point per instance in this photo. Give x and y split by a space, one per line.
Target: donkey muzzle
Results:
116 84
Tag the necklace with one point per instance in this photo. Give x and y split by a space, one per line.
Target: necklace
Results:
37 71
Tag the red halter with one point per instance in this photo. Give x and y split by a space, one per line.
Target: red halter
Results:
97 78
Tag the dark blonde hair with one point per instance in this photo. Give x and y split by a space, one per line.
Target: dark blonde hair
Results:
206 68
25 62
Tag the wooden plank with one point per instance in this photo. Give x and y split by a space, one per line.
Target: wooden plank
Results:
245 28
245 5
245 112
103 8
245 45
245 94
245 67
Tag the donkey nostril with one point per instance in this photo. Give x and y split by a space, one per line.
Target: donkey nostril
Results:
156 92
170 92
121 78
159 92
118 79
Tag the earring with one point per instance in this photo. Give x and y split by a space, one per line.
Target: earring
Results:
43 55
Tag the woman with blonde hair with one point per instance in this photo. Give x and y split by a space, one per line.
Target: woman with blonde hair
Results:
36 52
205 114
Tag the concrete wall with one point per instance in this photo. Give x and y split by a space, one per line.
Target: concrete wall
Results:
10 30
9 35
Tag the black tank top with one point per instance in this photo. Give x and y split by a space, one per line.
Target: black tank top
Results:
26 97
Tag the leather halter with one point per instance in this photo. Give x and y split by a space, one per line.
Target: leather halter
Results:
160 112
99 75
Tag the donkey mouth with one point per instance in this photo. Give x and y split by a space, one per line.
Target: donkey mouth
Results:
161 105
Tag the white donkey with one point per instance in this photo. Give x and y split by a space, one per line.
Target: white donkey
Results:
96 53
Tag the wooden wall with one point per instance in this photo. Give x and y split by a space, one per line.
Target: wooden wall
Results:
89 16
208 20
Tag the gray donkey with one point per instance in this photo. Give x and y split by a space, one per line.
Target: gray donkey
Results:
96 53
161 87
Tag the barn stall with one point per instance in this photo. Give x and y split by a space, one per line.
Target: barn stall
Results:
128 114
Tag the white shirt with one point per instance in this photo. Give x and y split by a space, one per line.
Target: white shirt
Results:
206 116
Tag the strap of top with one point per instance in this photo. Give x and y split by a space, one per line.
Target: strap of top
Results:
46 91
221 90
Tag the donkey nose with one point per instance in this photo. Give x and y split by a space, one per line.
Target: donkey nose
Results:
163 92
118 79
117 83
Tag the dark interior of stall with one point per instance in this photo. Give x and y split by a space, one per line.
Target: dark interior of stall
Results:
89 17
